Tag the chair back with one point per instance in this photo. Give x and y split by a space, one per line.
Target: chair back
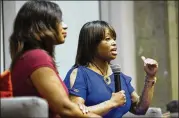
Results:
24 107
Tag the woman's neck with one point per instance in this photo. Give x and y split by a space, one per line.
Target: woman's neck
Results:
100 66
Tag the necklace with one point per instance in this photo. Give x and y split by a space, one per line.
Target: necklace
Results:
107 79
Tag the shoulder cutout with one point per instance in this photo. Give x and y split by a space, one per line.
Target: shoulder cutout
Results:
73 77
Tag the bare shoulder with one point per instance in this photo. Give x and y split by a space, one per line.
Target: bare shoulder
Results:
47 82
39 73
73 77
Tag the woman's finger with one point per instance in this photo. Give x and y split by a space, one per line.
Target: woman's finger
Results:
122 91
149 61
81 108
143 58
85 108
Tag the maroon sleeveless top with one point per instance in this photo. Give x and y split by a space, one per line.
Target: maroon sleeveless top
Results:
24 67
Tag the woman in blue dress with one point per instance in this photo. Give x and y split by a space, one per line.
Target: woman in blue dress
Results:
91 81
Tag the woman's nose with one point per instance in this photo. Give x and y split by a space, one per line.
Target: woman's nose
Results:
113 43
64 26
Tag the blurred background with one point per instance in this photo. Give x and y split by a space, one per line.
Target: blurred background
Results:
148 28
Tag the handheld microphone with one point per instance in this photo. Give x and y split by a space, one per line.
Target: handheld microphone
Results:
116 70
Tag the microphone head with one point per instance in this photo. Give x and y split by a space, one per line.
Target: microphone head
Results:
116 68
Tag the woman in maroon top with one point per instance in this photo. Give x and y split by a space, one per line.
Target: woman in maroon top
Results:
37 29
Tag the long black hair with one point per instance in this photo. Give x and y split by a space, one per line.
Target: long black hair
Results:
36 26
91 34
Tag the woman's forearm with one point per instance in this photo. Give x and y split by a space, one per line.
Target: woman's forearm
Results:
141 107
102 108
71 110
117 99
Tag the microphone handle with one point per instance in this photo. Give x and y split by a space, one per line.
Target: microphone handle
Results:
117 82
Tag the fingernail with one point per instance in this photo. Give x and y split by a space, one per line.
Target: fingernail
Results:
143 58
80 107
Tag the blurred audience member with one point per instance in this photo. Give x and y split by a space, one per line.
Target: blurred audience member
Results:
172 109
172 106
